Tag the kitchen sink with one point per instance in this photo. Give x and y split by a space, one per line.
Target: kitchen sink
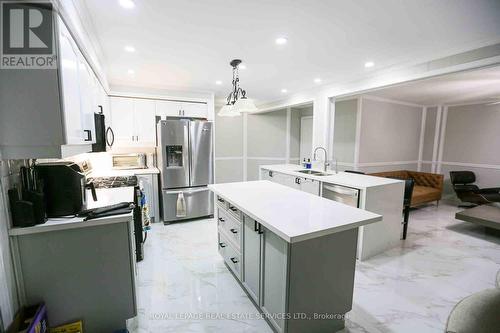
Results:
313 172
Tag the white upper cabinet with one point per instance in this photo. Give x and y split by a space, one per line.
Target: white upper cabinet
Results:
78 85
87 100
195 110
168 109
122 120
133 121
181 109
68 53
144 119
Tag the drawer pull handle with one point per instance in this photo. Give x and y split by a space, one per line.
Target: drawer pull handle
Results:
234 260
221 219
222 245
234 209
220 200
234 231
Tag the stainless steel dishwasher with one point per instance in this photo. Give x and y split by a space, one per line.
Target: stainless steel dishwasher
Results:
342 194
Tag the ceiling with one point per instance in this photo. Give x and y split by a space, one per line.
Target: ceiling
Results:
187 45
458 88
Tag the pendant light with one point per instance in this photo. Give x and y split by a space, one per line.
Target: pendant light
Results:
237 102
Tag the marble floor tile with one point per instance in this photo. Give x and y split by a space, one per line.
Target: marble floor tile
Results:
184 286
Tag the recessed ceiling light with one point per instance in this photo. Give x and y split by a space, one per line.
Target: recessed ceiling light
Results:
369 64
284 91
129 48
317 80
127 4
242 66
218 82
131 71
281 40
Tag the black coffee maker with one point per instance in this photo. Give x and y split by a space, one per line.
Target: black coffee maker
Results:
63 185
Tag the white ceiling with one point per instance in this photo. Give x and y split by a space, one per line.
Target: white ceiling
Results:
464 87
187 44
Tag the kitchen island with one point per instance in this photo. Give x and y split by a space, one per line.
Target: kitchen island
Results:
294 253
378 195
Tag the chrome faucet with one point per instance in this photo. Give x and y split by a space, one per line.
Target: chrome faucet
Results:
326 163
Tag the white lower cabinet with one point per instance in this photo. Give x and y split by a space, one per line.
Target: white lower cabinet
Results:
309 185
149 184
300 183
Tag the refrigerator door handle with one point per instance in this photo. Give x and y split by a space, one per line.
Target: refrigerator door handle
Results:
189 191
187 159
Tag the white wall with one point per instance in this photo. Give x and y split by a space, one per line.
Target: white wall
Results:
390 135
373 134
472 142
344 134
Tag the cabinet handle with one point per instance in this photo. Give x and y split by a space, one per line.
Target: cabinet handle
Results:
297 181
260 232
234 260
255 228
136 138
221 200
221 219
222 245
270 173
89 135
234 231
234 209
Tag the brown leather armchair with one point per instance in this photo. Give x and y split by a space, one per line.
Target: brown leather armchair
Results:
467 191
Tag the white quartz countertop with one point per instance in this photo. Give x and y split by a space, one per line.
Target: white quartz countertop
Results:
105 197
342 178
123 172
292 214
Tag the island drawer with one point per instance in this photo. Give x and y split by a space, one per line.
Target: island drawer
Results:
230 226
221 202
231 256
234 211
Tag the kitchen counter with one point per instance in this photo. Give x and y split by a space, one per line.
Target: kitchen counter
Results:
293 215
68 262
123 172
105 197
342 178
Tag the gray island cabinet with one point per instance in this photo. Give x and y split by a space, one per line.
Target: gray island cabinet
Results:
294 253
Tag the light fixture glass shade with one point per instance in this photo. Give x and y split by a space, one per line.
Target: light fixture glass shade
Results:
245 105
228 110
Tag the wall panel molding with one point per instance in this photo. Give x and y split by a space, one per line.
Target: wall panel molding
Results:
422 138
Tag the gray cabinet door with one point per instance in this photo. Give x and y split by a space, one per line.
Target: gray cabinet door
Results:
251 258
274 278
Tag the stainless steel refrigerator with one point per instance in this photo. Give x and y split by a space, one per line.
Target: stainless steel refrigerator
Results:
185 160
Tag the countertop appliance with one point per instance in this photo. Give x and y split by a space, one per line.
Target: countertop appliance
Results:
108 184
63 185
129 161
342 194
185 160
